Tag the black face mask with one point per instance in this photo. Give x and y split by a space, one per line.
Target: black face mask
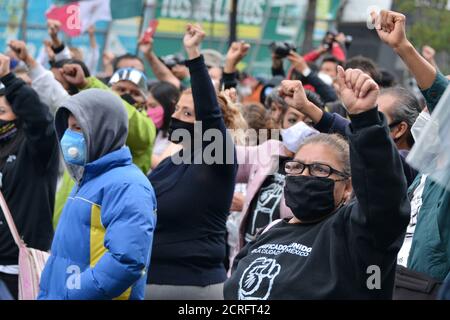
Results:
176 124
8 130
128 98
310 198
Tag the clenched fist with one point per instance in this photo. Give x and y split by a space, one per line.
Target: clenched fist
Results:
4 65
358 91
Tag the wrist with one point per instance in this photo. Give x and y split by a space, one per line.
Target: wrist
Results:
193 53
56 42
30 62
229 67
403 47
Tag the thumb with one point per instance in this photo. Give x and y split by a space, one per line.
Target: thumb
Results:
299 89
341 78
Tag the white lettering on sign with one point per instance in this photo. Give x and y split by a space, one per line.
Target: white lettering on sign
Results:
249 11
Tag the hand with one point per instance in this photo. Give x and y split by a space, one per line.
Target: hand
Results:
108 58
53 27
428 53
74 75
4 65
192 40
146 47
391 28
236 52
297 61
277 62
294 94
322 49
358 91
230 94
20 48
340 38
238 202
91 31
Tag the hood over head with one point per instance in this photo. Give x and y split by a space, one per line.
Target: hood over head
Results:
103 120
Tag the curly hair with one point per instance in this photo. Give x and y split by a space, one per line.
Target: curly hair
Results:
231 116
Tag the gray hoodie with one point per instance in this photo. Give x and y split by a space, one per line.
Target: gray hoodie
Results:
103 120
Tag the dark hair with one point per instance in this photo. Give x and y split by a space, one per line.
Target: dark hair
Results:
333 59
275 97
367 65
256 116
167 95
387 79
61 63
406 108
123 57
315 98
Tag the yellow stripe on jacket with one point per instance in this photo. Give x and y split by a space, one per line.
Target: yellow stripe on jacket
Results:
97 241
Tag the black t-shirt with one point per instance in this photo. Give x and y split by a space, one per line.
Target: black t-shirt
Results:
352 254
265 207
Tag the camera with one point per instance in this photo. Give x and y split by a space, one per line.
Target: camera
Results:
172 60
330 38
282 49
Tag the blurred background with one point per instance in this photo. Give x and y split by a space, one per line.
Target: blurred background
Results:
260 22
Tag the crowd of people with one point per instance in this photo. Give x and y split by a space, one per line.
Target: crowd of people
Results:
209 183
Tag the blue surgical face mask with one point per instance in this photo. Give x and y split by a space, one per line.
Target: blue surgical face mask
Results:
73 146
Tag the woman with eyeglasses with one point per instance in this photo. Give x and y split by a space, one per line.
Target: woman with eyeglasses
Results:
334 247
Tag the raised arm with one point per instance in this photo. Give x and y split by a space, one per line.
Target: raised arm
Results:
391 28
34 116
49 90
205 100
325 91
235 54
382 210
160 70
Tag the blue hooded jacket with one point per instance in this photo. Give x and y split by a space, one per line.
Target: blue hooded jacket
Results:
102 245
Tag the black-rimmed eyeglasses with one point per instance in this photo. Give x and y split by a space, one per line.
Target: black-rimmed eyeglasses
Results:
320 170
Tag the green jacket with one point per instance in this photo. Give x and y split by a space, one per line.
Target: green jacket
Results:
141 137
430 249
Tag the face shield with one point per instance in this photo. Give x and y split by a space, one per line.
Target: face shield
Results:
431 152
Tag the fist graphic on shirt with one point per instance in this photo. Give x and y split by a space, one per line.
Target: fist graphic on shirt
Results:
257 280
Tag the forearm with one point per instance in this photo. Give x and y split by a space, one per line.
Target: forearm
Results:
325 91
50 91
312 111
422 70
378 179
203 91
278 70
229 80
25 102
160 70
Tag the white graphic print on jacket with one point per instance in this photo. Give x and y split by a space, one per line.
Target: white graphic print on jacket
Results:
257 280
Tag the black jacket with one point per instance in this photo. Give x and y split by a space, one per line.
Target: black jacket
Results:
342 256
29 176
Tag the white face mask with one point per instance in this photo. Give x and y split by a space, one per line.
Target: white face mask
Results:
418 126
325 78
244 91
294 136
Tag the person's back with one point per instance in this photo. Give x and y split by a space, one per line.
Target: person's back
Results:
102 245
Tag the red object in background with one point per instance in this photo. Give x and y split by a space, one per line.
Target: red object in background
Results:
150 31
69 16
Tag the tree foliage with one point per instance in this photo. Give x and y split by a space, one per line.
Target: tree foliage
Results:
428 22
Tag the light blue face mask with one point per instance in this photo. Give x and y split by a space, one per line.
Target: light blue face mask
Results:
73 146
